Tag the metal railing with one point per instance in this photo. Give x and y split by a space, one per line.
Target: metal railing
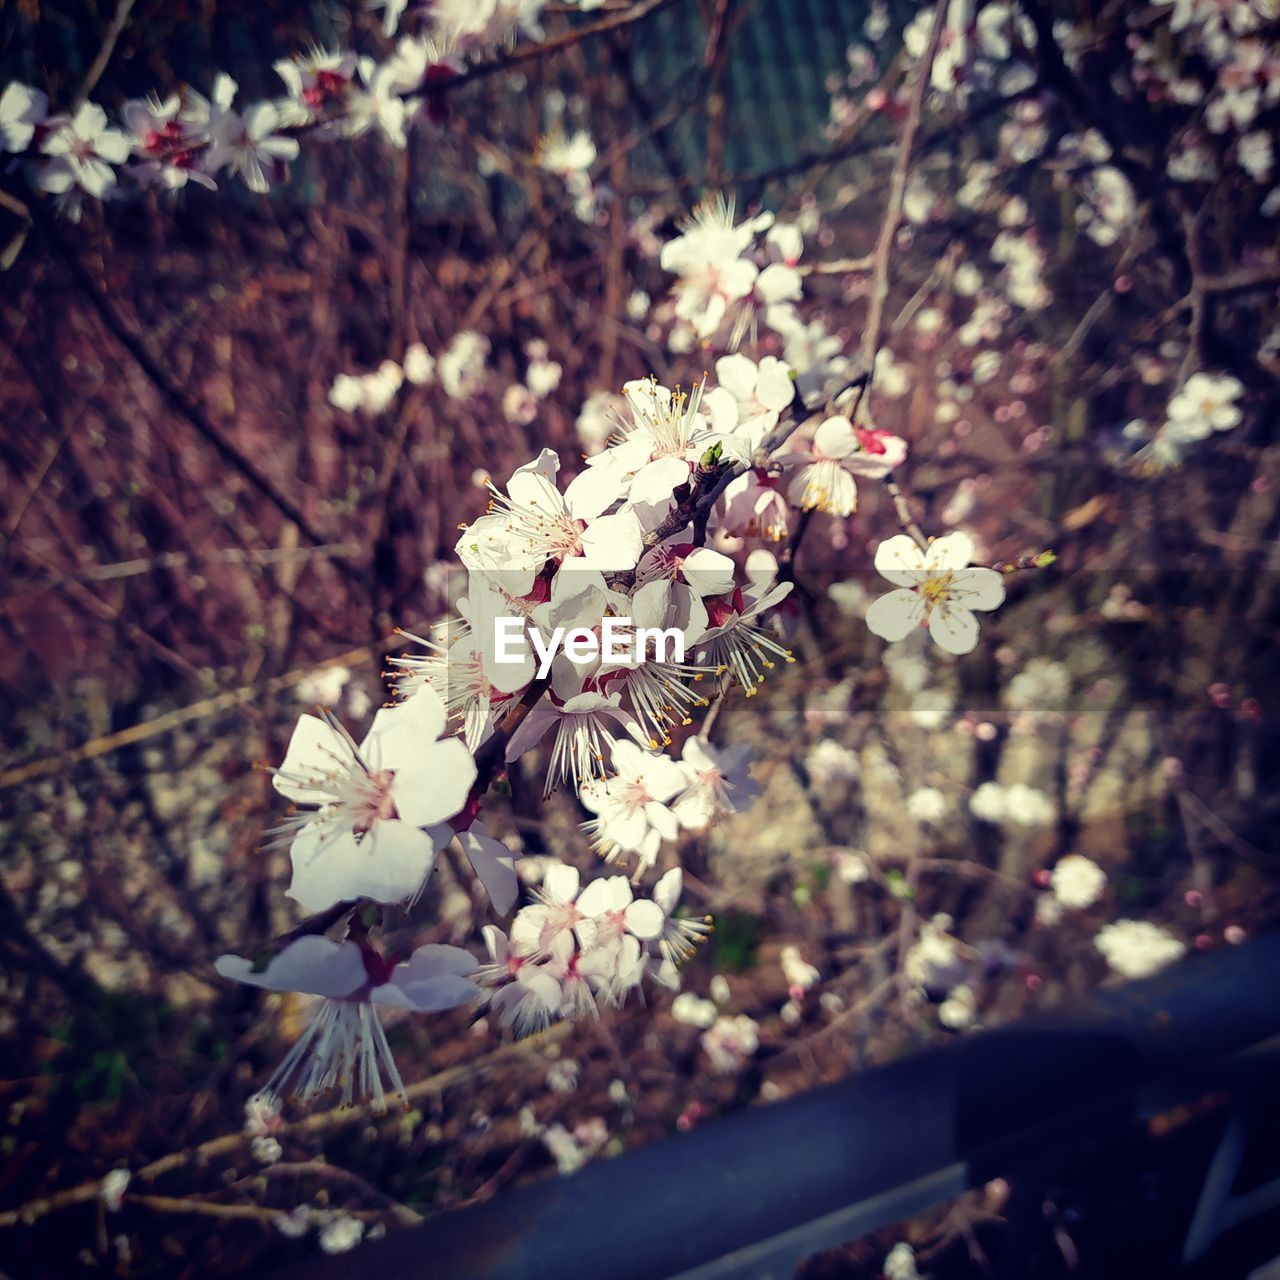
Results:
752 1194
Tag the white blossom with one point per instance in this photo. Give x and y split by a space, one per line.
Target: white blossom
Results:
1138 948
1077 881
937 589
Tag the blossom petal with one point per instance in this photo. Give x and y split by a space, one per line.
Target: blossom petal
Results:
892 617
900 561
388 865
951 551
954 629
494 864
312 965
645 919
434 785
835 438
315 750
977 589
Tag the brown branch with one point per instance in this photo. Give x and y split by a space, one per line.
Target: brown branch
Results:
872 332
109 42
174 396
318 1122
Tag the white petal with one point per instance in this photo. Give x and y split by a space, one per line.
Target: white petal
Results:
494 864
311 965
561 882
666 893
435 784
708 572
612 543
892 617
314 749
951 551
388 865
612 893
645 919
835 438
900 560
977 589
954 629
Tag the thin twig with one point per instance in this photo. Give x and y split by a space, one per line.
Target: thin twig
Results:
99 65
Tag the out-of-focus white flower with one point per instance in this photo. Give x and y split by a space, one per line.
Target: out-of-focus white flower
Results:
82 150
419 365
324 685
934 957
936 588
718 783
266 1150
347 393
565 154
901 1263
730 1042
1138 948
1204 404
461 366
927 805
317 83
799 973
598 420
1256 156
693 1010
1077 881
959 1010
114 1185
543 377
830 764
1027 806
562 1075
341 1235
708 259
249 145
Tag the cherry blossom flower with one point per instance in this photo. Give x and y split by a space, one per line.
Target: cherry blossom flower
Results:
632 808
565 154
718 783
114 1185
734 644
363 838
1203 405
165 154
730 1042
667 434
1138 948
707 258
341 1235
753 506
249 146
936 589
316 84
749 399
1077 881
584 736
533 523
825 480
82 150
345 1045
